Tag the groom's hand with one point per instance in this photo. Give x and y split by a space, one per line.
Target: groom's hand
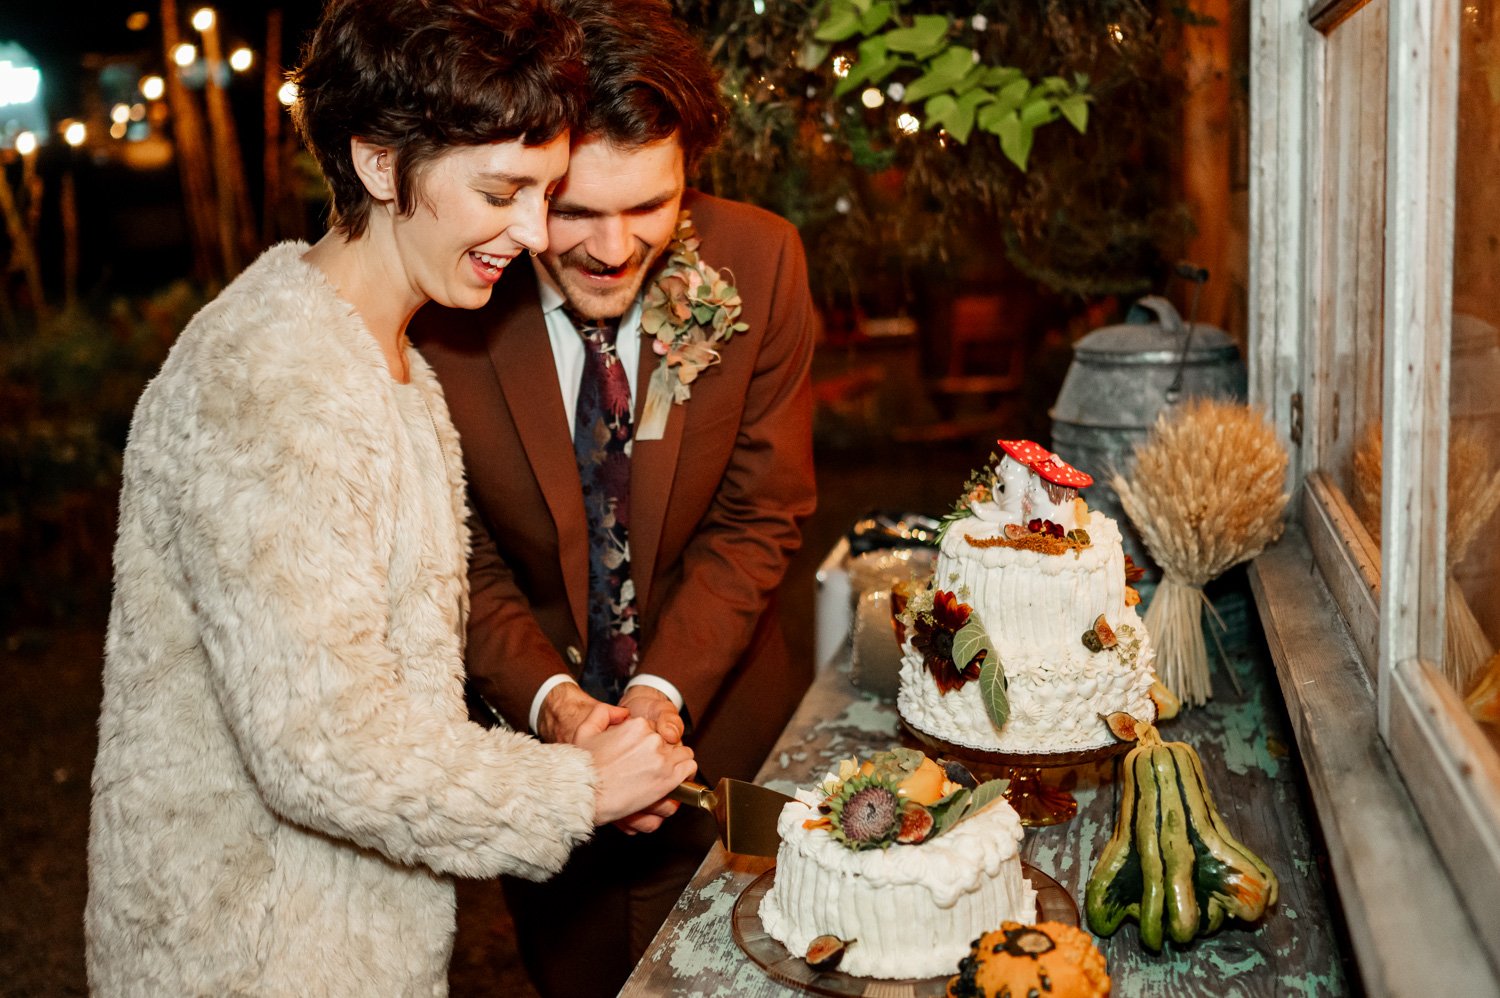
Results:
658 709
564 711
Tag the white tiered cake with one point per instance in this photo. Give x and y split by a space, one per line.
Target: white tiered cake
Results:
1041 581
911 909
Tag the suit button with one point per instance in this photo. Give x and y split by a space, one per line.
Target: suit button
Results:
575 657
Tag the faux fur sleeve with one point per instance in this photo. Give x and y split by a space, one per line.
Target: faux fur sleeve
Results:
285 527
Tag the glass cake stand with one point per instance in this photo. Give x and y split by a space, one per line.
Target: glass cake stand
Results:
1037 803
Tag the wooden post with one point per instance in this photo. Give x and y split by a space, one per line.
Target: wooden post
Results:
69 209
23 250
192 163
1205 153
236 220
271 112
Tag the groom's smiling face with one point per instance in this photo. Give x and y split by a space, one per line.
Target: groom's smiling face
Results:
611 217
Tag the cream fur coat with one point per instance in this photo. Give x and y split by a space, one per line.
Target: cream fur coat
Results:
286 773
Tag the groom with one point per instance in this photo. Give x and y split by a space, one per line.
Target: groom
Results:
614 560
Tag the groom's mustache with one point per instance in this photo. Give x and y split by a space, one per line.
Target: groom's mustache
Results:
581 259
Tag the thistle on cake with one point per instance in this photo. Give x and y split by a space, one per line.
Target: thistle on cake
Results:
897 797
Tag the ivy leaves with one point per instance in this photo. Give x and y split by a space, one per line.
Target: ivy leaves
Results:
957 91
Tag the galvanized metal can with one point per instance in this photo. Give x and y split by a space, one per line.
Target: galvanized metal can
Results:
1121 378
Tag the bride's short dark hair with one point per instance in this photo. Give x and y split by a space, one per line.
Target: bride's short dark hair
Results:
424 76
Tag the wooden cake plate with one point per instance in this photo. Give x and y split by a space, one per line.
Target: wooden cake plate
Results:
1053 904
1037 803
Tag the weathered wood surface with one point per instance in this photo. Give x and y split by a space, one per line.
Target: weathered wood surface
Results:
1378 847
1250 758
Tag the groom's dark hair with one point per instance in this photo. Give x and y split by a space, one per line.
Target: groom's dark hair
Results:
649 78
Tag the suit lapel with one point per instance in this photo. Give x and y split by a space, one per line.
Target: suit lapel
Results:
522 356
653 463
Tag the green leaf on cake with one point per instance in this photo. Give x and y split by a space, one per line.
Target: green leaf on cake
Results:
970 642
993 689
987 793
946 814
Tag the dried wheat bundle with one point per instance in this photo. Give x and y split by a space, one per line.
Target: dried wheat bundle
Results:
1484 699
1207 492
1473 497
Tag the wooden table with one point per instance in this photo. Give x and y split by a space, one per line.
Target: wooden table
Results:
1252 768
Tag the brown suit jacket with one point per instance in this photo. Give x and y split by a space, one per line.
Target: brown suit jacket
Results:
716 504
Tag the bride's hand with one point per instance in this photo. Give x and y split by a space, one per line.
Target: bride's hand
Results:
637 767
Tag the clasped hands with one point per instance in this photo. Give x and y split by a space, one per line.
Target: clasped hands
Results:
637 749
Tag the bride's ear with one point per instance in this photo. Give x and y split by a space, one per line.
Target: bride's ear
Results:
376 167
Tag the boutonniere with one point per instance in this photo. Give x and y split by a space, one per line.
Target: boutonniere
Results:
689 309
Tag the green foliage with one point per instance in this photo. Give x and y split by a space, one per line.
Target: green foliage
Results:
68 387
886 213
956 88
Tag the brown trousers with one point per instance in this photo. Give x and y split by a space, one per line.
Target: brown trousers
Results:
581 933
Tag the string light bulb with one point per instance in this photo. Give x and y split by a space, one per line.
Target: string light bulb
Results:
908 123
152 87
871 98
184 54
241 59
75 132
25 143
287 94
203 18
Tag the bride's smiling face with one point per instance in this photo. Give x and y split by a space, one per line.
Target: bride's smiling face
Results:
476 209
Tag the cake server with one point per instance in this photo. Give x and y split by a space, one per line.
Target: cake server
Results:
746 814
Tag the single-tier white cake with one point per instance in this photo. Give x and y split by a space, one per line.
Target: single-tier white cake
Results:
1037 596
912 910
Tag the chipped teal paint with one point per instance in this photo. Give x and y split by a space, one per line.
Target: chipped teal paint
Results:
867 715
1309 985
1229 968
1243 742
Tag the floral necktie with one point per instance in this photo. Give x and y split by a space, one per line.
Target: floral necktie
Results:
602 429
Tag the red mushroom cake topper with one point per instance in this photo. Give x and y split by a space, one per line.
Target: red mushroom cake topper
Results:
1047 465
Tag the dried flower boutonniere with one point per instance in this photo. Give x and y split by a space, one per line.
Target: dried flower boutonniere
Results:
689 309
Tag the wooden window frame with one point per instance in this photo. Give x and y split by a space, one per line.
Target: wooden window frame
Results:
1389 600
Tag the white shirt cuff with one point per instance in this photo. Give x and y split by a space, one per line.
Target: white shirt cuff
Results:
541 694
659 684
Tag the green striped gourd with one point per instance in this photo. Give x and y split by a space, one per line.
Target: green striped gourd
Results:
1171 863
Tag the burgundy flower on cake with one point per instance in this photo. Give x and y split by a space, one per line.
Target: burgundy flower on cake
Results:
933 637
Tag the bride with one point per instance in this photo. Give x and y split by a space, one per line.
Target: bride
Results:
286 776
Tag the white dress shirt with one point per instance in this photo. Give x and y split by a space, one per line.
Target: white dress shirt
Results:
568 354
